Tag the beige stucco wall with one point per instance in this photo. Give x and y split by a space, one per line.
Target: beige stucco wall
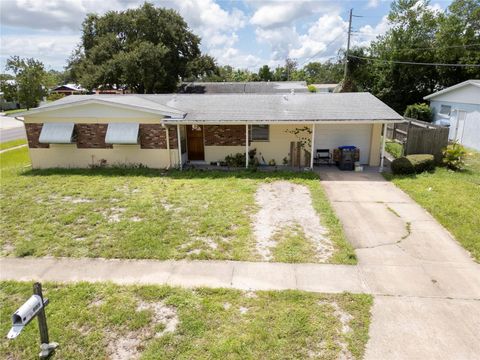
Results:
218 153
68 156
375 145
278 146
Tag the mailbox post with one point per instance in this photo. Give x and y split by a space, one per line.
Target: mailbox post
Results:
35 306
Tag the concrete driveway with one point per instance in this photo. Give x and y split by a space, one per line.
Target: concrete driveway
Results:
426 286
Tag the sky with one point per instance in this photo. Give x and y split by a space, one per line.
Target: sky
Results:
243 33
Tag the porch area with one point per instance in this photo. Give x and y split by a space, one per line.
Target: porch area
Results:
272 146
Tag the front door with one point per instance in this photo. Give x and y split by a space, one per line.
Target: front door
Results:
195 142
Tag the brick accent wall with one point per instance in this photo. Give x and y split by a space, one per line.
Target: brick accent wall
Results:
91 136
153 136
33 133
224 135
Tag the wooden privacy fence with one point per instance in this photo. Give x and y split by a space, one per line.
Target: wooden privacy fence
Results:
419 137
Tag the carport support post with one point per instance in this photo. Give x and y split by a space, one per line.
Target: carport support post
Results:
312 147
246 146
179 146
382 154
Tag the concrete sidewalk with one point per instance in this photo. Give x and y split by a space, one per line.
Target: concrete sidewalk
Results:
228 274
402 250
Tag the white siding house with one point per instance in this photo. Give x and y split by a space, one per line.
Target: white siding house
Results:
458 106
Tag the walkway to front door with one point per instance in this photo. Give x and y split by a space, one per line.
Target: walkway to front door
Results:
195 146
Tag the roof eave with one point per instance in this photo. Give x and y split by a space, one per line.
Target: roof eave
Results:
39 110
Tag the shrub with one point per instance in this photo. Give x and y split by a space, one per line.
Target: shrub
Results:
312 88
419 112
454 156
412 164
393 148
55 96
237 160
402 166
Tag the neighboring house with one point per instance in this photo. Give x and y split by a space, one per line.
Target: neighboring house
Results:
159 130
8 105
458 107
248 87
68 89
325 88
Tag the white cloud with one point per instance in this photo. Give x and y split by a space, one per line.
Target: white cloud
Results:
52 51
328 32
237 59
373 3
366 34
281 40
283 13
55 14
217 27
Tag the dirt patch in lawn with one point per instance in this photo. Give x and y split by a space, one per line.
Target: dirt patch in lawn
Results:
129 345
285 205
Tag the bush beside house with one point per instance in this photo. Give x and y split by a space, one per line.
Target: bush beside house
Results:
420 112
413 164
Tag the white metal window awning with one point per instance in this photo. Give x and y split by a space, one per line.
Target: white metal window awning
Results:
56 133
122 133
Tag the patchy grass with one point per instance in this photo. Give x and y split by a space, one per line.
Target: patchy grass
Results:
453 198
140 213
10 144
292 246
88 319
394 148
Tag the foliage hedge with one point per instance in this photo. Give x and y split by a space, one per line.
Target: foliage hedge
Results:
413 164
454 156
419 111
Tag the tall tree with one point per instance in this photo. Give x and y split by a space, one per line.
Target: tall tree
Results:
410 38
146 49
30 76
265 74
458 41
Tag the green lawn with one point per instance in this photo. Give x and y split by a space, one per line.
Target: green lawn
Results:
142 213
9 144
453 198
92 321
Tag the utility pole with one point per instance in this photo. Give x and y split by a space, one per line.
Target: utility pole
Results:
348 46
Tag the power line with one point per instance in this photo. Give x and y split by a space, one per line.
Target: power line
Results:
439 47
411 62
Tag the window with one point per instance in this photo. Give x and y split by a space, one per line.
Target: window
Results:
122 133
57 133
259 132
445 110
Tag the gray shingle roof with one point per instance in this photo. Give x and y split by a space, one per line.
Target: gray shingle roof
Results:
276 107
249 87
252 108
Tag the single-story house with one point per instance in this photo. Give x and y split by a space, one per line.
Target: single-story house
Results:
162 131
328 88
458 107
68 89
